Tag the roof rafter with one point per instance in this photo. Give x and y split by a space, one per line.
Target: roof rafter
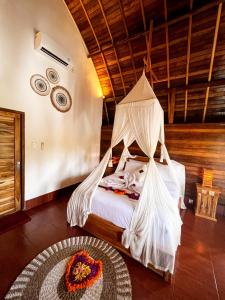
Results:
167 45
106 112
148 42
171 97
188 59
107 45
96 39
171 105
127 34
115 51
177 42
194 85
212 58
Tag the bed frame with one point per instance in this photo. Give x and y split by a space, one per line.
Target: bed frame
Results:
112 234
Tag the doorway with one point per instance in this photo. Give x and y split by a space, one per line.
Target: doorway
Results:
11 161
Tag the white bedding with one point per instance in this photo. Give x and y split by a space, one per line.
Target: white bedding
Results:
118 209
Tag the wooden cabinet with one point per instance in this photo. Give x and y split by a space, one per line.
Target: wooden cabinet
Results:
207 198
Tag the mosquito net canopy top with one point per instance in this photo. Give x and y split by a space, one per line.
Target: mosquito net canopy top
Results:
155 228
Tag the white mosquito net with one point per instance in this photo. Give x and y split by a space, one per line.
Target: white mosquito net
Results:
155 228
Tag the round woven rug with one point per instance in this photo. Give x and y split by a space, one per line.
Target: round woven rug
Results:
44 276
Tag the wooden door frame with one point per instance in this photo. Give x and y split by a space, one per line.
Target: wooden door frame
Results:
22 147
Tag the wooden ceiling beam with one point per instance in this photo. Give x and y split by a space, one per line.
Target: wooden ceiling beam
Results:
167 45
127 34
96 39
143 15
115 51
167 60
172 78
148 42
149 48
194 85
107 45
172 43
212 58
171 105
90 24
106 112
188 60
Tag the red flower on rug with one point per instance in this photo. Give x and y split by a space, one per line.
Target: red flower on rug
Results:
82 271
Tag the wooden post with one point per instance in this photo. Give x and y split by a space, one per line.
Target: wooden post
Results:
188 59
212 59
110 34
148 41
96 39
167 58
106 112
149 49
127 34
171 105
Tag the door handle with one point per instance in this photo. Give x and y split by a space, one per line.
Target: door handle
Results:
18 164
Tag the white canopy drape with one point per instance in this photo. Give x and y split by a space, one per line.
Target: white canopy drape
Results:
155 228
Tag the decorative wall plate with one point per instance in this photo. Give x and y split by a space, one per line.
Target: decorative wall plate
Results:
61 99
40 85
52 76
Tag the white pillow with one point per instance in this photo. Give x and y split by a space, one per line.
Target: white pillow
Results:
164 171
135 180
133 165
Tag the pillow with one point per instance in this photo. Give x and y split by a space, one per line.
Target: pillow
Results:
135 180
140 174
133 165
164 172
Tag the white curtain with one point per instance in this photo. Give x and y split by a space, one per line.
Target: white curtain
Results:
179 179
128 140
79 206
156 214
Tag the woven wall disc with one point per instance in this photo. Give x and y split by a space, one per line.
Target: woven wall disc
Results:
40 85
52 76
61 99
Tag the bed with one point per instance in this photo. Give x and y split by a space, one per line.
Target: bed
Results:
156 220
112 210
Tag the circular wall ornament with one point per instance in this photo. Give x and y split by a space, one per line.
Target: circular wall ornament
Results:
40 85
61 99
52 76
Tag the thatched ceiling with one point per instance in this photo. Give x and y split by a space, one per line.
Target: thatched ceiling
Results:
183 43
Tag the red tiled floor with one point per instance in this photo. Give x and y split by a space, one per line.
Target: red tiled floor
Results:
200 264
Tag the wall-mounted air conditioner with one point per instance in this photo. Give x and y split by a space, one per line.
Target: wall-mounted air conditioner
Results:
48 47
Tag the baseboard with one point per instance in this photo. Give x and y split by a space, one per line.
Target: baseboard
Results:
66 191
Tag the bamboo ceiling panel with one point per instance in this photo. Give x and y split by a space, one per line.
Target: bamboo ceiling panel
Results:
116 34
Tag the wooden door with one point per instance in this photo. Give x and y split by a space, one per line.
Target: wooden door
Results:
10 162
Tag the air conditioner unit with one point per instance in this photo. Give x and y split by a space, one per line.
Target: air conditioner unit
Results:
47 46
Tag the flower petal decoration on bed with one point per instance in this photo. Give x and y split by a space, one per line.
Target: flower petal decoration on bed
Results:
154 230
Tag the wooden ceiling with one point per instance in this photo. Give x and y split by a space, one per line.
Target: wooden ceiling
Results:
182 43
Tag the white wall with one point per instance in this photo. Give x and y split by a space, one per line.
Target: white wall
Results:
72 139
